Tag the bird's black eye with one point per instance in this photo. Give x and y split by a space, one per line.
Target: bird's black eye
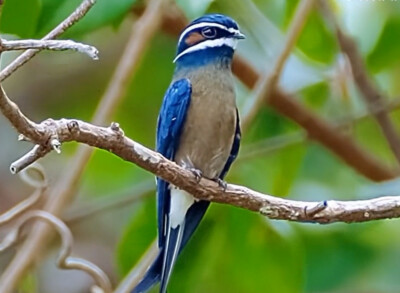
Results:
209 32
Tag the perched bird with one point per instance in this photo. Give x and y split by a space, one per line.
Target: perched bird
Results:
198 127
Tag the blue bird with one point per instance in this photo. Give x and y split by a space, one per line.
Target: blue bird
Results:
198 127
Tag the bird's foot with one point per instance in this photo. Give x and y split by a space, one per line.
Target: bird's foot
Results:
221 183
197 173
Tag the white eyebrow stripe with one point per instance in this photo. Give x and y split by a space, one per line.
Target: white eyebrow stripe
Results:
205 24
230 42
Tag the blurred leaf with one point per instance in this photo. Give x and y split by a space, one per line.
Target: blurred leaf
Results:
316 41
194 8
290 11
268 123
103 13
276 10
28 283
286 169
20 17
370 135
316 95
235 251
138 235
264 42
387 48
334 258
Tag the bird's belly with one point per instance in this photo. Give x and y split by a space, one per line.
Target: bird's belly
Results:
207 138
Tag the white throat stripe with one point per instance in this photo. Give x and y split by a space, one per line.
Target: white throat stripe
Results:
230 42
205 24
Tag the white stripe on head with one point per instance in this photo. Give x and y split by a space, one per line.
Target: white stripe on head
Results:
206 24
230 42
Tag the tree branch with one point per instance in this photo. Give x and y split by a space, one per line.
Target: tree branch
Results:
270 80
265 146
113 140
369 90
55 45
74 17
138 270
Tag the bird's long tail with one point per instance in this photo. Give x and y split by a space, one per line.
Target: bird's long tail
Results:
161 269
172 248
175 240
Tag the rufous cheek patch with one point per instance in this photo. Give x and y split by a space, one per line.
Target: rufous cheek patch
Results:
193 38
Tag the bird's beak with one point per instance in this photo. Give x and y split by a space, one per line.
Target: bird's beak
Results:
238 35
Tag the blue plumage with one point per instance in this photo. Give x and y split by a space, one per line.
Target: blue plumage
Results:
169 127
205 48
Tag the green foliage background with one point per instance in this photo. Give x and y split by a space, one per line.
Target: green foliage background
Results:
233 250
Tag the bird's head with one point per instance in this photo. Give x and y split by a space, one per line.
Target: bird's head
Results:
209 38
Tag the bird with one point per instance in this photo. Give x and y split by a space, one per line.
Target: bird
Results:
198 128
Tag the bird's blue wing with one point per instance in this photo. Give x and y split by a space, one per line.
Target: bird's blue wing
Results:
170 124
169 128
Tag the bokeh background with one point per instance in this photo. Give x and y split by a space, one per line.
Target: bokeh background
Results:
113 215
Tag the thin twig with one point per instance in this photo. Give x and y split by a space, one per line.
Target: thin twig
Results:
39 184
64 260
83 211
142 32
56 45
369 90
138 270
74 17
269 80
282 141
37 152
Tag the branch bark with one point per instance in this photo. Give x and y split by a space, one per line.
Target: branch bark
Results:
113 140
74 17
55 45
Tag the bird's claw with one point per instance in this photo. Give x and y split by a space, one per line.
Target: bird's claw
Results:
197 173
221 183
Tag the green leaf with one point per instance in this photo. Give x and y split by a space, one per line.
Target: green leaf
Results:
333 258
316 95
137 236
235 251
316 41
386 51
20 17
103 13
194 8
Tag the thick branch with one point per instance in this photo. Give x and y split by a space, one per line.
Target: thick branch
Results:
113 140
23 124
338 142
56 45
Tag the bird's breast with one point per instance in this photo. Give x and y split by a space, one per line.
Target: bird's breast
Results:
208 133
